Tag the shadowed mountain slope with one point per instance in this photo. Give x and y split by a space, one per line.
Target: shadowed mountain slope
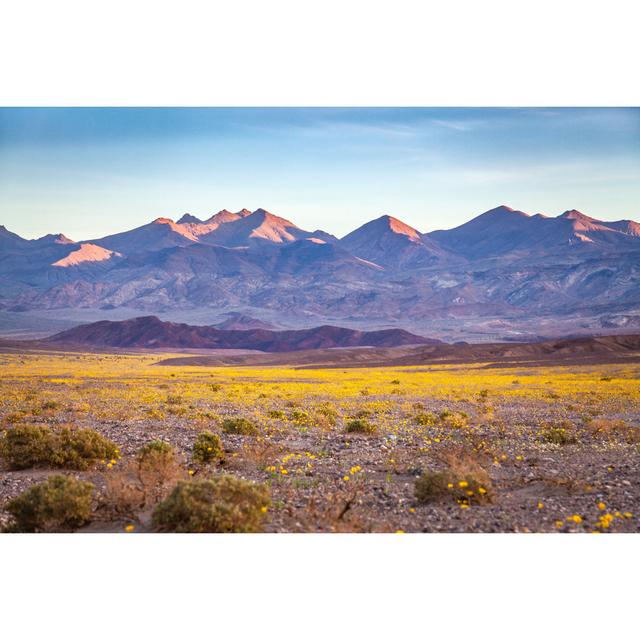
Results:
501 274
151 333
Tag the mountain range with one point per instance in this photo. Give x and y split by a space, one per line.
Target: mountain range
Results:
151 333
504 274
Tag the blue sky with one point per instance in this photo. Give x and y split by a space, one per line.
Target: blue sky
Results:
88 172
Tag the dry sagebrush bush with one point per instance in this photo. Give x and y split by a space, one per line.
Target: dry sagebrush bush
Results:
58 504
463 479
207 448
613 429
25 446
225 504
158 466
144 481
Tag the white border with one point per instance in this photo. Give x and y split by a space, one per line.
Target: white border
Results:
318 586
335 52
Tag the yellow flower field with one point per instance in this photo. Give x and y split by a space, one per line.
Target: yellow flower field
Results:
341 449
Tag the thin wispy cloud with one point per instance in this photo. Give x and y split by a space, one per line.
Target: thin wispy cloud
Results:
107 168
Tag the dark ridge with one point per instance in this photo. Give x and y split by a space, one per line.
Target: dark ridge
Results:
150 332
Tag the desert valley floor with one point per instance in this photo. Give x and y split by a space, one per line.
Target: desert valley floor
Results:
433 448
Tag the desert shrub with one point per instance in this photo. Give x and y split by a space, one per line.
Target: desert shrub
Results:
124 491
560 434
79 448
174 398
145 480
467 489
431 486
277 414
225 504
158 465
612 429
462 479
50 405
300 416
425 419
454 419
58 504
360 425
396 381
328 412
239 426
207 448
25 446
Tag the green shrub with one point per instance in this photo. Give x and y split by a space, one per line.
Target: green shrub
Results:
225 504
155 448
557 434
239 426
156 454
58 504
277 414
25 446
454 419
360 426
425 419
431 486
80 448
207 448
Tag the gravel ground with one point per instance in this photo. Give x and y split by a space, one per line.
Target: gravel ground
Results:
536 486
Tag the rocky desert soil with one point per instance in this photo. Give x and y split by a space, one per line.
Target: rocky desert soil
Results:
553 449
